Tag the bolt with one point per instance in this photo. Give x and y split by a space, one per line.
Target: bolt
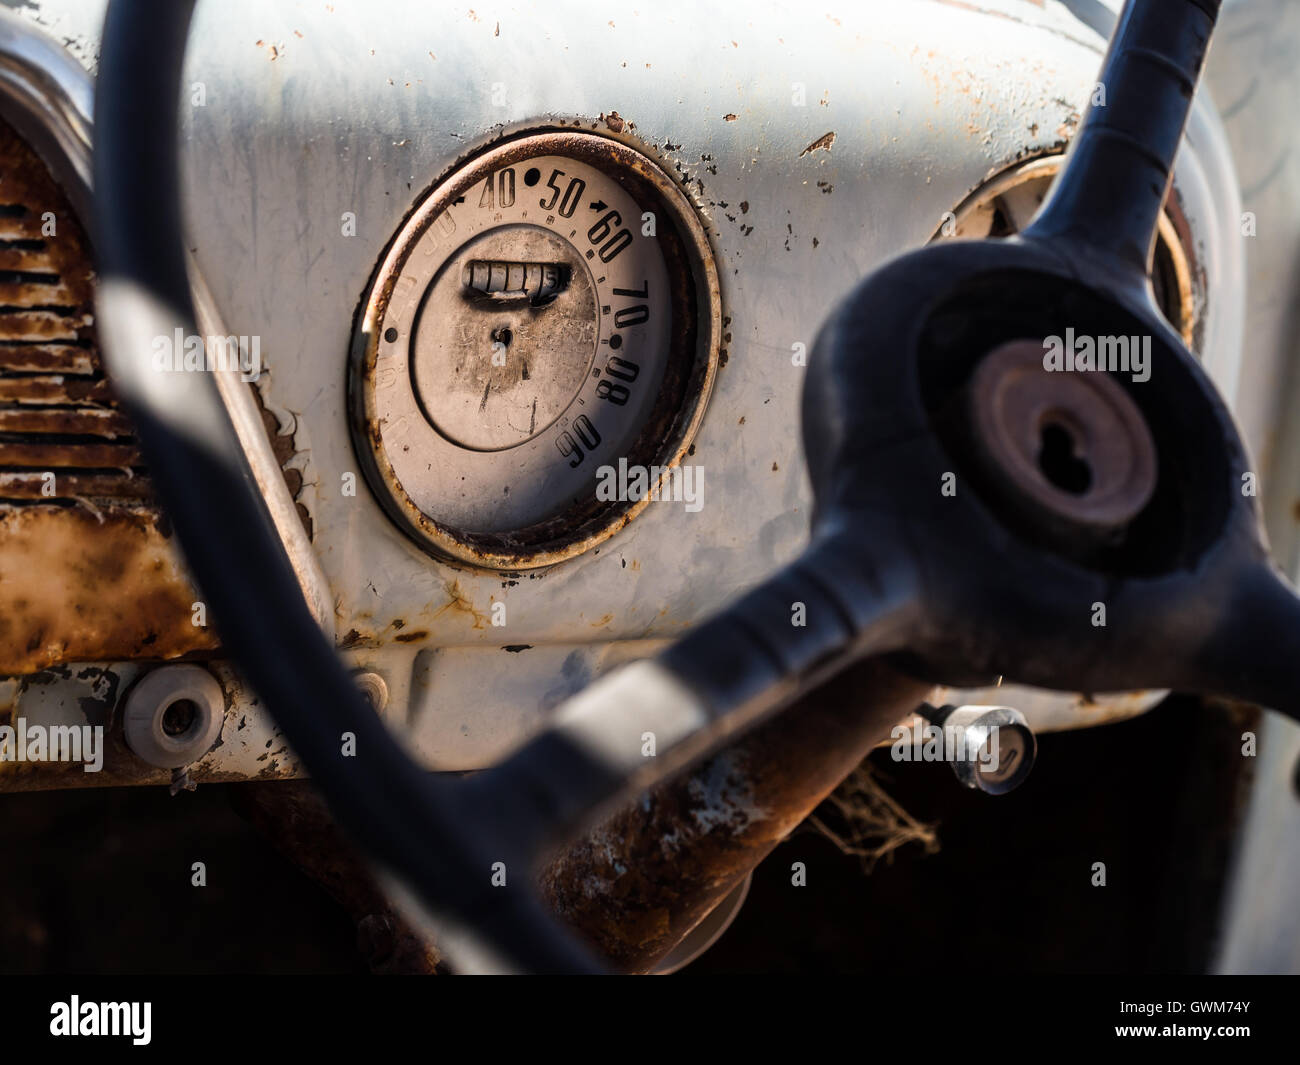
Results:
374 688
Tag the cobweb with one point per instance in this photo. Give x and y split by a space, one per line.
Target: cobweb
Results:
864 821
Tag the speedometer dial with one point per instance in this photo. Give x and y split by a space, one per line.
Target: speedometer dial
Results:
550 309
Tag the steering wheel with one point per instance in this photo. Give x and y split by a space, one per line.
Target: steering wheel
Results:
977 508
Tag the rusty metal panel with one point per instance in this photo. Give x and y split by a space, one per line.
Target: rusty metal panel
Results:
87 570
76 586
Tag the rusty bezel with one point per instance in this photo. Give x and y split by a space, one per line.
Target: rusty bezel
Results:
1174 269
689 374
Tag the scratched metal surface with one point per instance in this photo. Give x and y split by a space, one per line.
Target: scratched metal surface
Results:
311 111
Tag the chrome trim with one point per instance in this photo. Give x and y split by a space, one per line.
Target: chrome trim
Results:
52 94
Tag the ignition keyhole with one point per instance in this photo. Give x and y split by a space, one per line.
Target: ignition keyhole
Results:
1059 463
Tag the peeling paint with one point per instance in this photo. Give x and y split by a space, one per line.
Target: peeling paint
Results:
822 143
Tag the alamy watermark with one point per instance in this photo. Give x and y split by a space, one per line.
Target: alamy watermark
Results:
182 351
676 484
928 742
22 742
133 1019
1113 354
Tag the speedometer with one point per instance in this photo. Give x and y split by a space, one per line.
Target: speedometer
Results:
548 313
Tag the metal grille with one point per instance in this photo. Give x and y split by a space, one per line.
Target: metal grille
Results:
62 440
87 570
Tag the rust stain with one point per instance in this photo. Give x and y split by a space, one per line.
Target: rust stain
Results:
822 143
460 603
76 585
284 446
638 881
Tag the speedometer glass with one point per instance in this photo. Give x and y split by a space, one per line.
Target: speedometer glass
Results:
548 312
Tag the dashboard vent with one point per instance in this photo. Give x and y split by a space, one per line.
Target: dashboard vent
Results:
62 440
88 572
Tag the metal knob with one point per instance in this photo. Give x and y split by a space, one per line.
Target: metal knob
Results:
173 715
992 747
